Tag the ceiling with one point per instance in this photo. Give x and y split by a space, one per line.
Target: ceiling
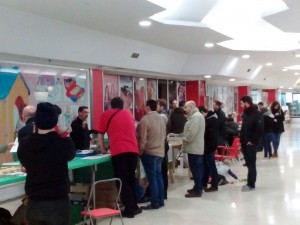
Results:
121 18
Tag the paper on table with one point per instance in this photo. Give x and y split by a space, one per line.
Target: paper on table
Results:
14 148
95 156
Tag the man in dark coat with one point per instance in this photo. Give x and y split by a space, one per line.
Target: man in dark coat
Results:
221 122
251 133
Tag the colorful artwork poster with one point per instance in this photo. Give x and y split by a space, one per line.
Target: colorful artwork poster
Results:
152 89
181 90
74 88
172 91
110 89
139 98
126 91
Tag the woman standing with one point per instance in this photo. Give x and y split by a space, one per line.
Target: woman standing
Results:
278 125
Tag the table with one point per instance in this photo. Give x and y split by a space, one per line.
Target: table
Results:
13 186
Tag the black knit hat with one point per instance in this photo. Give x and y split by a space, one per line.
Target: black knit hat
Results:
46 116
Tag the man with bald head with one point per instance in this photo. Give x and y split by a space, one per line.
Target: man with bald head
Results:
28 114
193 144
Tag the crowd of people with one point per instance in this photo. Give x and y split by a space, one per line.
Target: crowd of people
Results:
142 145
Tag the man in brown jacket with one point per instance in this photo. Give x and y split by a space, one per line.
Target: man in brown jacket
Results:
151 133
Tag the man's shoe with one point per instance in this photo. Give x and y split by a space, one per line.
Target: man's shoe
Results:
127 215
148 207
137 211
190 190
275 155
145 199
211 189
193 194
247 188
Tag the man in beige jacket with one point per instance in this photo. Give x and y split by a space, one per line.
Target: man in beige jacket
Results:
193 144
151 133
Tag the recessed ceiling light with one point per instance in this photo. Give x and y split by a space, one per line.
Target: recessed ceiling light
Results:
281 87
296 73
141 78
207 76
81 69
145 23
297 55
269 64
209 45
245 56
232 79
290 88
284 69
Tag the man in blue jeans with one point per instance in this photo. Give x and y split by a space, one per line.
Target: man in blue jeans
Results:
151 133
193 144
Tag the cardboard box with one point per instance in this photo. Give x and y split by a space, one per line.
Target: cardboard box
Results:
79 192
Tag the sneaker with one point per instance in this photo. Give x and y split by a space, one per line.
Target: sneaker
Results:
247 188
211 189
193 194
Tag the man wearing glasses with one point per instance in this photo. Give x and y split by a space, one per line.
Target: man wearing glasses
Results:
80 134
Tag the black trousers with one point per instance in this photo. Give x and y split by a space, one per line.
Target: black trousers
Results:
249 152
124 166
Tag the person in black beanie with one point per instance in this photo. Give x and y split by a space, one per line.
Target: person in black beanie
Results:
45 156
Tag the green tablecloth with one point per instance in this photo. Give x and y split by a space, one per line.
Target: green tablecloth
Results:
74 164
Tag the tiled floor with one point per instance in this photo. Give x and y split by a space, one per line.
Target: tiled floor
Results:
276 199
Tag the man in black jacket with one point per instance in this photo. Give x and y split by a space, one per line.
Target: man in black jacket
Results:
210 146
27 116
80 134
221 122
251 133
45 156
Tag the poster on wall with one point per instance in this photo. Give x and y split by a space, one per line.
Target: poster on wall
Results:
172 91
181 91
110 89
126 91
139 98
152 89
74 88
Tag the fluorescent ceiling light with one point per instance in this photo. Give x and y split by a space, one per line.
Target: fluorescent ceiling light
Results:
290 88
69 75
284 69
297 55
141 78
50 73
209 45
232 79
207 76
295 67
145 23
242 21
296 73
245 56
81 69
82 76
269 64
281 87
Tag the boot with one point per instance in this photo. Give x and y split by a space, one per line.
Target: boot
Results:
275 155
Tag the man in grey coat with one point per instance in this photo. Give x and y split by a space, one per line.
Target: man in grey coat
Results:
193 144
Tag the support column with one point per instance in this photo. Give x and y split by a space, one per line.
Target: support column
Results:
192 91
97 97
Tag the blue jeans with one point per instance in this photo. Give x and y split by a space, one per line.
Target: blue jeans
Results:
152 166
268 138
276 141
196 166
210 169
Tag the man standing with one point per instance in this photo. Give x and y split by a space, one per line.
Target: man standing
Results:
27 116
221 121
151 133
161 109
210 146
80 134
193 144
251 132
118 123
45 155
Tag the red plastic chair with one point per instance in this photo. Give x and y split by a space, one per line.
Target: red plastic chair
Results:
230 153
93 214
